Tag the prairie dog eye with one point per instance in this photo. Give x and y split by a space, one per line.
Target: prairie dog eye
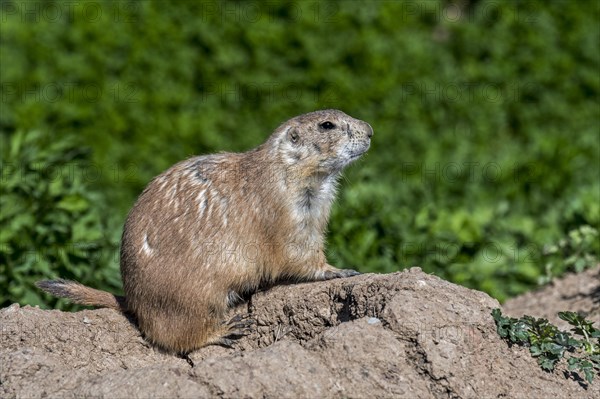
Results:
327 125
294 136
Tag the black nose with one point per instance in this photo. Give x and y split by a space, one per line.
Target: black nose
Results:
369 130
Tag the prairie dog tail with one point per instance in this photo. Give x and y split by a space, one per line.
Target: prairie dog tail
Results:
81 294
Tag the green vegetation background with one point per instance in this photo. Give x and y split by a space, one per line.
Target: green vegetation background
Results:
484 168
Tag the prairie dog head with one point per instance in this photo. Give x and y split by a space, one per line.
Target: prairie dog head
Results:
322 142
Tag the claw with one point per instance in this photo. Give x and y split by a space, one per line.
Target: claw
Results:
239 333
236 318
242 325
226 342
187 358
239 326
239 318
340 273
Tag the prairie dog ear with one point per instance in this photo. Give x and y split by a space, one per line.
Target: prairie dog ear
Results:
293 135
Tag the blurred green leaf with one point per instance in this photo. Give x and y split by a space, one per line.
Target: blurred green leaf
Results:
485 150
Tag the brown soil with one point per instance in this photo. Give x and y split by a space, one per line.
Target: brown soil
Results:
574 292
405 334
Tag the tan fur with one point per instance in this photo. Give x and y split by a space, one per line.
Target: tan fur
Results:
82 294
215 227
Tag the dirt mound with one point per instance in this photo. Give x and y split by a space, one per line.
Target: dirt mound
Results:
405 334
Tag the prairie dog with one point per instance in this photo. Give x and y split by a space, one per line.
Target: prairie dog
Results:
215 227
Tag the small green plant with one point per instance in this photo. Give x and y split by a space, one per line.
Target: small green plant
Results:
549 344
575 252
52 222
